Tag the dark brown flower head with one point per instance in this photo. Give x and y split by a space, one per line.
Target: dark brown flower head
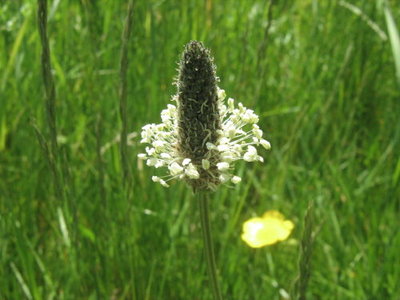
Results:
198 113
201 138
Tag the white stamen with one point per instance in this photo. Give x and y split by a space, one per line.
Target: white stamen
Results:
237 136
191 172
175 168
236 179
205 164
223 166
186 161
142 156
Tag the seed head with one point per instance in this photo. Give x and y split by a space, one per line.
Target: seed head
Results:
198 113
200 138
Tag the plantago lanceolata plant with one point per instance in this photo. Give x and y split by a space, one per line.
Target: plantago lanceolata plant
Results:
201 137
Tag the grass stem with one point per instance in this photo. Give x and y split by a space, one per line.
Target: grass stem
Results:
48 81
306 247
123 91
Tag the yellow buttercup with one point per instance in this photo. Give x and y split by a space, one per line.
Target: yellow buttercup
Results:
266 230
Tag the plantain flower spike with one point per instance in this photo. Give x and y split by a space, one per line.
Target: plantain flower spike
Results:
201 137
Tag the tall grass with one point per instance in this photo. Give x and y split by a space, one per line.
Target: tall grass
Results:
48 82
394 38
123 92
305 256
329 104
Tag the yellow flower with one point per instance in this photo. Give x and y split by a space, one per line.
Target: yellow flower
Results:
267 230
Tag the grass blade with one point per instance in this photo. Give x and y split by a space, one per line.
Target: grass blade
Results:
394 39
21 281
306 247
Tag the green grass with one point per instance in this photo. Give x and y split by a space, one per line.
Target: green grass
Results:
325 87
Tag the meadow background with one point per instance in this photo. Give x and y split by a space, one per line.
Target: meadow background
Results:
322 77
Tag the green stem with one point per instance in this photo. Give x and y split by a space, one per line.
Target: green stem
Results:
208 245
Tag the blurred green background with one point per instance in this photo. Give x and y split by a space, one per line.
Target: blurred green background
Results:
322 77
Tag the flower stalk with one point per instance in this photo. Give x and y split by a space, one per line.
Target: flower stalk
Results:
199 122
208 244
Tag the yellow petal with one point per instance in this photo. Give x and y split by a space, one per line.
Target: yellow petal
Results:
274 214
268 230
255 233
